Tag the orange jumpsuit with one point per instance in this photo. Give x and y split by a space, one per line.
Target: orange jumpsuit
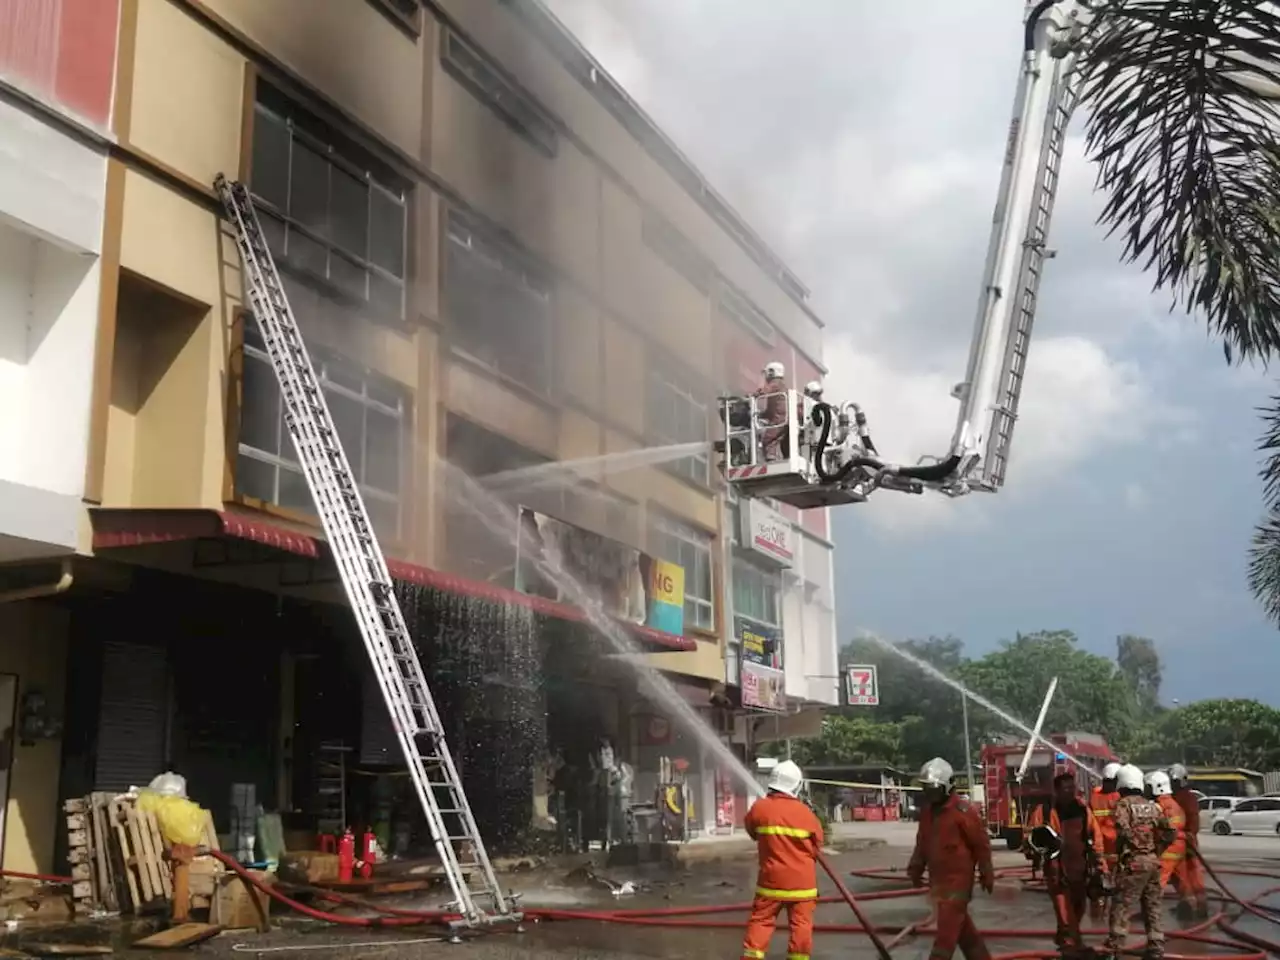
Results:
1190 875
1103 806
951 841
1066 877
774 414
1175 854
788 839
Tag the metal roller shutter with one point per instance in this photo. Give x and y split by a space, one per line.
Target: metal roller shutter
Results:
133 717
378 741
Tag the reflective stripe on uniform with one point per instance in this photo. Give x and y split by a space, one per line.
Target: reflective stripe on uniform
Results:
784 832
1170 855
769 894
797 956
1102 813
752 954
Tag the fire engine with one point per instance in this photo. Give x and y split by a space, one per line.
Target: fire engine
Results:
792 446
1008 800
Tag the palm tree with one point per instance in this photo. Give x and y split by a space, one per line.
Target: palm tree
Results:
1183 104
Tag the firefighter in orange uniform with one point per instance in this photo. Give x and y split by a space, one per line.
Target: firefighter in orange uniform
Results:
1078 852
788 839
951 842
1190 877
1175 854
1102 801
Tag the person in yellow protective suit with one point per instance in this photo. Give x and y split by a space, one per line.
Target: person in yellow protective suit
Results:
1190 878
788 838
951 843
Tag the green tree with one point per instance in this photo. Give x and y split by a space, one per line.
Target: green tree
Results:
1140 665
851 740
1233 733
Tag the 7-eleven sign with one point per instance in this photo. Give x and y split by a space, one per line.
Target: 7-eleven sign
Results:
861 689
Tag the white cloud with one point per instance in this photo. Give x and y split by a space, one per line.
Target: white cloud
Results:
1135 496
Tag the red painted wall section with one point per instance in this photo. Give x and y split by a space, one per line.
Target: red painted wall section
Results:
63 51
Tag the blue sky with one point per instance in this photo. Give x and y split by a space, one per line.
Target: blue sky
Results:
863 139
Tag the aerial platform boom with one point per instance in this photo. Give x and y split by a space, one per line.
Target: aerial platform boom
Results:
822 454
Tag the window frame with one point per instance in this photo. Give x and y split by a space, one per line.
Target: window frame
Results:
769 580
529 278
337 151
410 23
703 544
677 252
676 384
323 360
489 84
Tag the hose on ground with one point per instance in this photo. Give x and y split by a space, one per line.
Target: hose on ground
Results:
1236 944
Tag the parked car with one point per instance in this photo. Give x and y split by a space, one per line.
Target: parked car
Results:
1251 815
1210 807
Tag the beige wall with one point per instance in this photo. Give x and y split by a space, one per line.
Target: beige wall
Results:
33 644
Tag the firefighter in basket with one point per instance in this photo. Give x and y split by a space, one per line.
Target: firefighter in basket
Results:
772 414
789 838
1069 842
951 843
1143 832
1102 801
1190 878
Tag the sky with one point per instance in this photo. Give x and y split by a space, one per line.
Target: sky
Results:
863 140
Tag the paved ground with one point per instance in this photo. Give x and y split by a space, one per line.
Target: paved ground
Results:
711 882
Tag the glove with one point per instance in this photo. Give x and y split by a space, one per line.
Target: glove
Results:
916 877
988 882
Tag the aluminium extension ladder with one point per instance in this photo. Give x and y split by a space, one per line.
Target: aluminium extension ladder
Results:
366 579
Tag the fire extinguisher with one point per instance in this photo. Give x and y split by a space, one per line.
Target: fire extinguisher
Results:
368 853
346 856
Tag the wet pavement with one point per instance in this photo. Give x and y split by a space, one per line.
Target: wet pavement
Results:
1011 908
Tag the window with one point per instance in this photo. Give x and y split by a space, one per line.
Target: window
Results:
519 111
740 310
498 307
756 593
677 252
332 213
691 549
403 13
677 414
370 414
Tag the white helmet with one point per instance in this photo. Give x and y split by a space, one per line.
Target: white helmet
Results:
1110 771
1158 781
1129 777
786 778
1178 772
813 388
936 773
774 371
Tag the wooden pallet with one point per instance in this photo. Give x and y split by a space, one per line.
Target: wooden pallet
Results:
93 862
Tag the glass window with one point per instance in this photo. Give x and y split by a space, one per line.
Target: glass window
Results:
691 549
516 108
370 414
756 593
677 414
498 308
331 212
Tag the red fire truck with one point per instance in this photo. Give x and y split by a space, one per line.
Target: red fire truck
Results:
1007 803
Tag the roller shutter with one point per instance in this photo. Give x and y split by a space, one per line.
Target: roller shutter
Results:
133 716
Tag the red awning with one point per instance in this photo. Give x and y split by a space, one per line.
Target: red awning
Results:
119 528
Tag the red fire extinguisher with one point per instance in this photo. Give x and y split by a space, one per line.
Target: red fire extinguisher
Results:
346 856
368 855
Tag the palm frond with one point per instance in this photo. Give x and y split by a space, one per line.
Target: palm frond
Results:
1187 154
1264 566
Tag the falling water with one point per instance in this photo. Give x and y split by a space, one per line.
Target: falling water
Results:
500 519
559 471
977 698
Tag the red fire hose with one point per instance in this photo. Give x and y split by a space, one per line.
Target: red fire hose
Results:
1236 944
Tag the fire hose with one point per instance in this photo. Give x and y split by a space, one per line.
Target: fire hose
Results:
1235 944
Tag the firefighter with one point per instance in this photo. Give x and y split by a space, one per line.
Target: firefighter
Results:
1079 854
951 841
1142 834
788 838
1172 859
1190 878
1102 801
774 412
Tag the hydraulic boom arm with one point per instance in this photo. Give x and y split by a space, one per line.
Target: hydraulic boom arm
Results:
989 395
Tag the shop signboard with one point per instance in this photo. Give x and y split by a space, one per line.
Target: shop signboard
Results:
862 688
766 532
629 584
760 642
763 688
